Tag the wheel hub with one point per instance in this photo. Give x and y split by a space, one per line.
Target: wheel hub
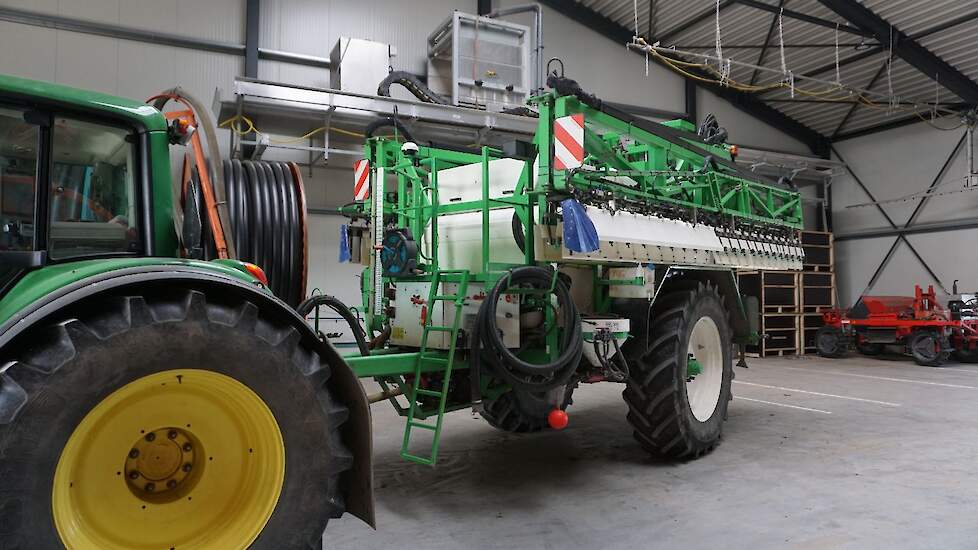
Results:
175 459
160 461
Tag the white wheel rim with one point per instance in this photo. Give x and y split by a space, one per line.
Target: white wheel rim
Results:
703 391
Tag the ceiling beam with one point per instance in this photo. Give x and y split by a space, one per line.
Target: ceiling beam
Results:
906 48
743 101
805 17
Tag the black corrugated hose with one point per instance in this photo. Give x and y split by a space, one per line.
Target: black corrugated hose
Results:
489 346
413 85
306 307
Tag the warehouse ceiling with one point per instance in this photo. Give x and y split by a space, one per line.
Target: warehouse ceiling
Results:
933 58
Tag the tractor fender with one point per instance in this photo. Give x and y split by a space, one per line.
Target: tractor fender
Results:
356 432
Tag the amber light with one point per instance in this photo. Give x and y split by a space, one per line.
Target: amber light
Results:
257 272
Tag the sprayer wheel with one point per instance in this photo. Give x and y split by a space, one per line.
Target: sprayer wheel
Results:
677 411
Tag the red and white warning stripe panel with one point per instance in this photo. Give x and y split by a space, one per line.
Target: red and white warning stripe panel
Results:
361 177
569 142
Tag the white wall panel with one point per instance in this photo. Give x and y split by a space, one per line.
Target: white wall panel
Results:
746 130
16 40
75 66
330 277
40 6
894 165
106 11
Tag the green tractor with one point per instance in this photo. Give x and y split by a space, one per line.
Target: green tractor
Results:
156 391
149 401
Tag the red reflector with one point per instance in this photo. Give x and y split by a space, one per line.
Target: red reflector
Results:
557 419
256 272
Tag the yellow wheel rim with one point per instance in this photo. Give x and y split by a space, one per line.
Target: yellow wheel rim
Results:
176 459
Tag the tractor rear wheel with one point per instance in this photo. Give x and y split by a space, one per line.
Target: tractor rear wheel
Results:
829 342
678 390
170 420
929 348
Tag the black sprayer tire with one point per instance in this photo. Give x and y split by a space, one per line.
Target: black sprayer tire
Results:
73 364
829 342
656 392
520 412
928 348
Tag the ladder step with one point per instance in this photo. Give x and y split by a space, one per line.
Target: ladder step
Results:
437 328
429 393
447 298
418 459
417 424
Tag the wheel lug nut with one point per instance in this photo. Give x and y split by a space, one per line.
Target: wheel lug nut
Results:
150 487
134 474
134 453
172 483
150 436
187 467
187 447
172 434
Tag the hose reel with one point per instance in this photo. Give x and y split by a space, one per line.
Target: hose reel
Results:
267 210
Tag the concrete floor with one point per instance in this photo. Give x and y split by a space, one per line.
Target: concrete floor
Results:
817 453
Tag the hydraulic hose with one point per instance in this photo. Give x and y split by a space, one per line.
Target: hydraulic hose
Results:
412 84
214 163
388 121
311 303
489 346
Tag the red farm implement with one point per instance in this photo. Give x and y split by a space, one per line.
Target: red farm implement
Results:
920 325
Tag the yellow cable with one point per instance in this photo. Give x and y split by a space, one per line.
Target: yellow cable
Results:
243 125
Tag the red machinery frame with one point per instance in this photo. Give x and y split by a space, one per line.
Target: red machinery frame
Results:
906 317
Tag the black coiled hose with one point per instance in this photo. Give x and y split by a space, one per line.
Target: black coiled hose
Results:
311 303
266 206
489 346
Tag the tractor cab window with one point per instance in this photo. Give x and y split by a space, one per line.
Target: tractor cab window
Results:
19 142
92 207
18 174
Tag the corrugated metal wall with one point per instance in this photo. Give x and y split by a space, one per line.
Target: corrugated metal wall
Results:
896 164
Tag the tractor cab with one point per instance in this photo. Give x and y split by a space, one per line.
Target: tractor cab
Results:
72 187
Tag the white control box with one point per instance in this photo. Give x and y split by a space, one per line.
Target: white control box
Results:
411 308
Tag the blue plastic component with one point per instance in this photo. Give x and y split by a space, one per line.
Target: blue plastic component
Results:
344 244
579 232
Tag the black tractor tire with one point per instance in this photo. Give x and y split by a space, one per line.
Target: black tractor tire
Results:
870 349
520 411
76 361
830 342
658 405
928 348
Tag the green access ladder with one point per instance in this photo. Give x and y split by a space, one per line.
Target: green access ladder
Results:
427 357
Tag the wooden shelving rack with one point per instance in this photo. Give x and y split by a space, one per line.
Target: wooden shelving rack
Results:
792 302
